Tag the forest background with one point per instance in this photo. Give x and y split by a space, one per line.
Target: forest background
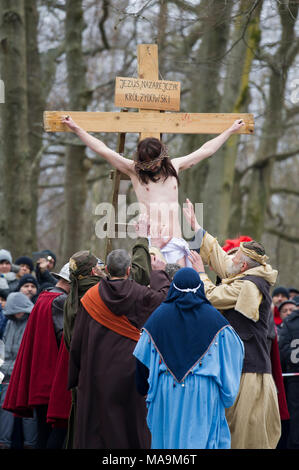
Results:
229 56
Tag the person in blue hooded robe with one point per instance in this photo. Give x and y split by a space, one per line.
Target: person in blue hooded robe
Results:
188 365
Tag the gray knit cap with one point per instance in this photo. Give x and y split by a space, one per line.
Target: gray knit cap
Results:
17 302
5 256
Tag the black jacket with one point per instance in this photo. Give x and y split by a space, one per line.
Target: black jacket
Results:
289 343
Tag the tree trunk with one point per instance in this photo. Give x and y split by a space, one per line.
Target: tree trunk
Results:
16 232
161 37
76 162
220 180
205 96
279 64
36 106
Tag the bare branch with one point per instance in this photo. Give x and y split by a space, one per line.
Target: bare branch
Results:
51 165
279 157
290 191
292 53
282 235
97 178
244 29
53 197
185 6
36 159
50 186
291 112
52 5
102 23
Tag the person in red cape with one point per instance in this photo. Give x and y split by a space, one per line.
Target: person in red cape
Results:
35 367
60 399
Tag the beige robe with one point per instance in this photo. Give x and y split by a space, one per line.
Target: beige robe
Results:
254 418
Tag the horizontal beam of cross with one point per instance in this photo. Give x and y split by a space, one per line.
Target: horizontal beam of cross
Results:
149 122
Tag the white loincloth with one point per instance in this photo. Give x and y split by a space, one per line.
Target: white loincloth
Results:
176 249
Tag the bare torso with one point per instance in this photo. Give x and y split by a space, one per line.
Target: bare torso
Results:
160 201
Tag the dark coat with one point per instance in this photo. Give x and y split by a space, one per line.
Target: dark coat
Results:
289 354
110 413
289 343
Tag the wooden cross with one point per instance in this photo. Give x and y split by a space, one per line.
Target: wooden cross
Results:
148 122
145 122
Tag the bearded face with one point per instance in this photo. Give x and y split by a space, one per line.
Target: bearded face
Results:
234 268
236 264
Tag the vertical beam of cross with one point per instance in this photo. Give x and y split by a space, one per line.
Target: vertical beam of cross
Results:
148 69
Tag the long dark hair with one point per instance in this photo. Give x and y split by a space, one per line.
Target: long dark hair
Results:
148 150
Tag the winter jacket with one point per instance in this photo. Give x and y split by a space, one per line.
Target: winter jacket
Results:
289 343
14 329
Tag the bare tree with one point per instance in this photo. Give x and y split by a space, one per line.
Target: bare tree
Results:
16 160
272 131
235 98
36 97
77 167
213 31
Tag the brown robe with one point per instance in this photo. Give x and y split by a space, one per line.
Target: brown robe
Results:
110 413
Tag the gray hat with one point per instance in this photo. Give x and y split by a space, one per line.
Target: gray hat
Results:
17 303
285 302
5 256
64 273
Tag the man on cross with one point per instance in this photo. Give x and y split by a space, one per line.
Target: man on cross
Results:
154 177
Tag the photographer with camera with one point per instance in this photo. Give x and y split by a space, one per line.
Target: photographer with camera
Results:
45 263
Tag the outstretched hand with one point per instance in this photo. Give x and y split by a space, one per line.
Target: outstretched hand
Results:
189 214
237 125
69 122
196 261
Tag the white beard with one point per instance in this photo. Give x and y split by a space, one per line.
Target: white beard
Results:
234 269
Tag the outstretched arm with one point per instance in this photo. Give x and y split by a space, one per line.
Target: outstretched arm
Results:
125 165
207 149
210 250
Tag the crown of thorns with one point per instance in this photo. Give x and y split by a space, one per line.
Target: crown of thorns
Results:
148 165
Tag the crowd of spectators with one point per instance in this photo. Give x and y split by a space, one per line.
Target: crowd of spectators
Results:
23 280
